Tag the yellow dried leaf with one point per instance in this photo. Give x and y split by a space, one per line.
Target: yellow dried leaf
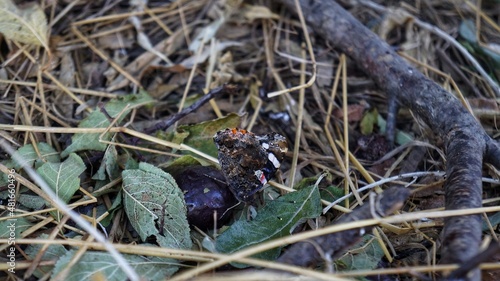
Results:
259 12
27 25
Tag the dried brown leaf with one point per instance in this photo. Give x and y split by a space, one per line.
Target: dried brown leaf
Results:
67 78
259 12
28 25
354 112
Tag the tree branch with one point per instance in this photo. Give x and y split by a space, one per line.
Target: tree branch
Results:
465 140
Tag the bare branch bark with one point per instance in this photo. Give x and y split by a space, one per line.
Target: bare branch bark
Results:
465 140
492 155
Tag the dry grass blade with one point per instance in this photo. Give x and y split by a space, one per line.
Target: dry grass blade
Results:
311 54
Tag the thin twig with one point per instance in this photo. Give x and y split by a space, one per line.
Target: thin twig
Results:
382 181
164 124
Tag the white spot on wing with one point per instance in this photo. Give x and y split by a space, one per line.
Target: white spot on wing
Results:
274 160
265 145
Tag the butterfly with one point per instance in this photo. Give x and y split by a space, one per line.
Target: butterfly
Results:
249 161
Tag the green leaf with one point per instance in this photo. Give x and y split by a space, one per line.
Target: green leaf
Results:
153 201
305 182
486 54
53 253
181 163
18 225
367 255
369 120
401 137
201 135
331 193
88 141
34 202
494 221
467 30
327 192
63 178
129 163
117 205
109 165
275 220
29 156
94 264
